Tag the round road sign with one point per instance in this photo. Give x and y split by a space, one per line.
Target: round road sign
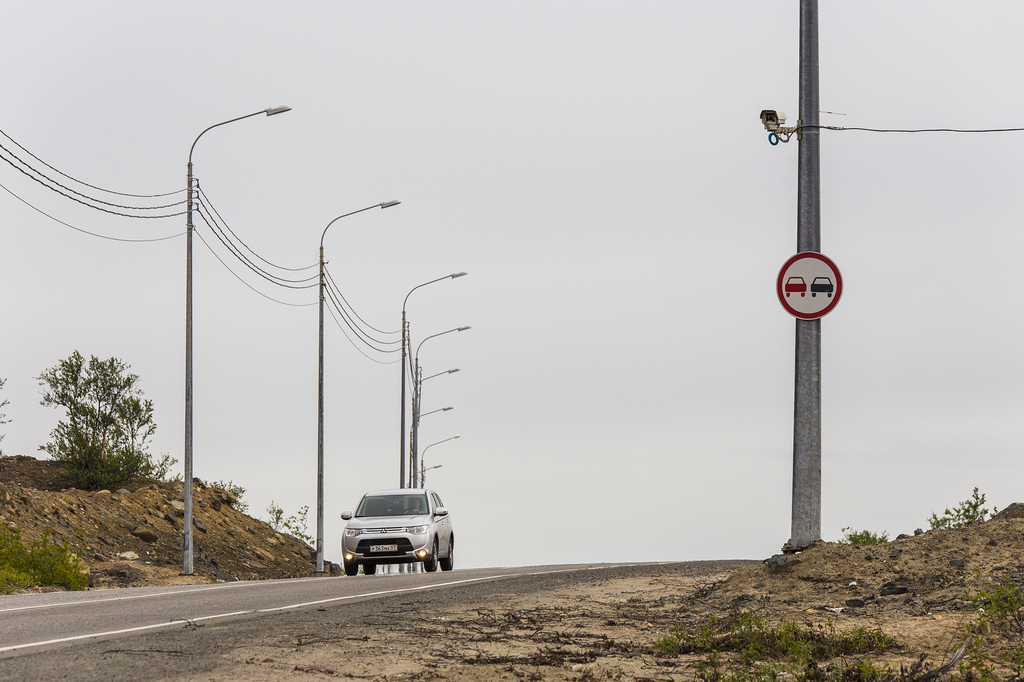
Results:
809 285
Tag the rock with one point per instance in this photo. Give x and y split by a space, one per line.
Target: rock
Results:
228 496
891 588
956 563
993 543
216 503
179 506
158 514
782 562
902 536
123 491
855 603
199 524
264 553
101 492
743 601
1014 511
128 556
869 557
145 534
918 531
894 552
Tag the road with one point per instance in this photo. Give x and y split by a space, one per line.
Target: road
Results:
182 631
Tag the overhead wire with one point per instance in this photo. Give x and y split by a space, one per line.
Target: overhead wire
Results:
362 335
236 276
916 130
273 279
212 208
91 234
353 310
76 199
361 352
85 184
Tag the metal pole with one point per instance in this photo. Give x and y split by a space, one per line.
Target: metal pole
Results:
320 431
414 448
187 538
806 527
401 431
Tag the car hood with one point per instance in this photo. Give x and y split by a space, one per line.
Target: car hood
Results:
388 521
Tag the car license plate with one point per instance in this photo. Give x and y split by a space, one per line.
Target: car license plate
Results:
383 548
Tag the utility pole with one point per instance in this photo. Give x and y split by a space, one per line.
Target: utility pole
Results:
806 526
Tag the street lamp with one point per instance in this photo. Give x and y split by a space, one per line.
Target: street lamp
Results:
405 345
320 397
187 539
417 395
423 471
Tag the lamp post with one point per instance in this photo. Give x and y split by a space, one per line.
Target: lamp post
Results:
423 460
405 345
417 395
320 397
187 539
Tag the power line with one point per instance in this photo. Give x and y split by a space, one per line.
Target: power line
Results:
85 184
342 297
91 234
917 130
273 279
363 336
236 276
98 208
345 334
212 208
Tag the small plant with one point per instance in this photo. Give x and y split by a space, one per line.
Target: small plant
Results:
40 563
965 513
1003 603
294 525
863 537
235 490
3 417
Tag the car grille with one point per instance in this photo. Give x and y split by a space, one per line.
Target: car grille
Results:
404 545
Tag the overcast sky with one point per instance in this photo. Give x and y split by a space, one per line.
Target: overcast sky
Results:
599 170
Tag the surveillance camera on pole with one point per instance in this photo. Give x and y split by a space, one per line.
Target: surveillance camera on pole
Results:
773 122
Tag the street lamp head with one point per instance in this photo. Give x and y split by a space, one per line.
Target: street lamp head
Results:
453 371
456 436
445 409
272 111
462 329
389 204
456 275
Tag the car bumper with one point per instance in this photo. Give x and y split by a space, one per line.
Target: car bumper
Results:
387 549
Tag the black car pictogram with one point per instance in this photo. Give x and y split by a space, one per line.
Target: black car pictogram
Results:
822 285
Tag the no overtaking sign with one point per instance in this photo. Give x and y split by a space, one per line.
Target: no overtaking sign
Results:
809 285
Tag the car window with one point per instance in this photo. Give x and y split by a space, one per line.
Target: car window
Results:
392 505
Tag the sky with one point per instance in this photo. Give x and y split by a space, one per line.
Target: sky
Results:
599 169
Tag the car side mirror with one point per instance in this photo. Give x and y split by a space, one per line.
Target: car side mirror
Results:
440 511
346 515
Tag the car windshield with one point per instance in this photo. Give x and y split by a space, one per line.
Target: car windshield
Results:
393 505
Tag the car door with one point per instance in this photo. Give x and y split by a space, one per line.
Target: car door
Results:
445 526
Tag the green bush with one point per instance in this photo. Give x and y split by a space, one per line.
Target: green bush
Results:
963 514
863 537
40 563
235 490
103 443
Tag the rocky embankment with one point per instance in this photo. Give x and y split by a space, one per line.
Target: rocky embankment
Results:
133 536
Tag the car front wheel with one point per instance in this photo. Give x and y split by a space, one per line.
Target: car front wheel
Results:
351 569
430 563
369 569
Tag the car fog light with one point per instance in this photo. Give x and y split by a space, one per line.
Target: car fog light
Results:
422 553
349 557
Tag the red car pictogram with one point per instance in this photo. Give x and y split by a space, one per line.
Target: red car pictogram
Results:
796 285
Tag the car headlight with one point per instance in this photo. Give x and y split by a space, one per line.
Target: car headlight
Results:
416 530
352 532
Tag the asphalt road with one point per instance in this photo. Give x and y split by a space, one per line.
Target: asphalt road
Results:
63 635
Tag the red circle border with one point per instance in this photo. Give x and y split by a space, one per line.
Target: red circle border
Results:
839 285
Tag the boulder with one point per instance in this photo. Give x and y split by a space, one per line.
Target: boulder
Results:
128 556
1014 511
145 534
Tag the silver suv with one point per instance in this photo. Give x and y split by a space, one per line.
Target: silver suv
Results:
398 527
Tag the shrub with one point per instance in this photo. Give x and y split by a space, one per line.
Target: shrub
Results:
963 514
294 525
41 563
235 490
103 442
863 537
